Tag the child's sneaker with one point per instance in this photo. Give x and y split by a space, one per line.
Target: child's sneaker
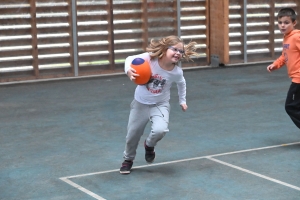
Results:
149 153
126 167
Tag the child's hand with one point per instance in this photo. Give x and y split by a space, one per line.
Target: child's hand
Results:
184 107
131 73
270 68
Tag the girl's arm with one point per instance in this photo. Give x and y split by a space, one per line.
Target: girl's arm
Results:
129 59
181 86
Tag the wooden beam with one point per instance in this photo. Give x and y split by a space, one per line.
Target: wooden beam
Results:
34 42
207 31
111 44
176 17
272 29
70 30
298 13
145 35
219 30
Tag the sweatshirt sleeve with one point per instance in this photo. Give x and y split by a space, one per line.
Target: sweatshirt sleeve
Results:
129 59
279 62
181 86
298 42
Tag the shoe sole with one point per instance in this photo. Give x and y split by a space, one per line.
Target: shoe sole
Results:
124 172
150 162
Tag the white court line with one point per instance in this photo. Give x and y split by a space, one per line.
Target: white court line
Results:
184 160
66 179
254 173
82 189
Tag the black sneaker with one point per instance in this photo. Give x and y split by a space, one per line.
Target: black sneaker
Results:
149 153
126 167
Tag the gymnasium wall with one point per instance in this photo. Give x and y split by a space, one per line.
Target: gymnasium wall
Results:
48 39
263 39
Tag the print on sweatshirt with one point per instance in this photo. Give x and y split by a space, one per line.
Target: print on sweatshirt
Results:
285 48
156 84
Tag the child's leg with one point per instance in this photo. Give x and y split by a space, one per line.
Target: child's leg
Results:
159 117
292 103
138 119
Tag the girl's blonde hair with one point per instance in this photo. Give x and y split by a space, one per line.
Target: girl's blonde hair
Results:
158 48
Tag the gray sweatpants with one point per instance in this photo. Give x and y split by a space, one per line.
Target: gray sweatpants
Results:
140 115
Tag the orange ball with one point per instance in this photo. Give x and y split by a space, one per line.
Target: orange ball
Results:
143 69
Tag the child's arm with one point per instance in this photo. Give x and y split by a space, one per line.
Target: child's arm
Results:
271 67
131 73
184 107
127 66
276 64
181 86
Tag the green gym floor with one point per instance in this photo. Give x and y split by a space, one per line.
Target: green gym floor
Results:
64 140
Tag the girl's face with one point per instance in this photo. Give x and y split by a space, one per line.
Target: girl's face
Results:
175 52
286 25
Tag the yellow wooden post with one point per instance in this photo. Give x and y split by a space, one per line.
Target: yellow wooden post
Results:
219 30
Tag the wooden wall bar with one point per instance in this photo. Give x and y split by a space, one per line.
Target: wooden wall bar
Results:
144 20
72 48
35 62
272 29
219 30
37 36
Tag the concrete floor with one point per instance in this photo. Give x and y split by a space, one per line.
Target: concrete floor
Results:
64 140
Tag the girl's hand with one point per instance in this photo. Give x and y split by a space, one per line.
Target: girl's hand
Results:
184 107
270 68
131 73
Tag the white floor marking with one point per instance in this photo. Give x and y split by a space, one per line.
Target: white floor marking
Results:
184 160
66 179
254 173
82 189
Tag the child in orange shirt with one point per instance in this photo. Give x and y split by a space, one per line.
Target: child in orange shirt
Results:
291 58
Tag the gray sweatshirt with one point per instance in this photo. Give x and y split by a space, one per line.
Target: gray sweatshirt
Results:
157 90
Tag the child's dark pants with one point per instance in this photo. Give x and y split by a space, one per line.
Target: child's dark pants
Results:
292 103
